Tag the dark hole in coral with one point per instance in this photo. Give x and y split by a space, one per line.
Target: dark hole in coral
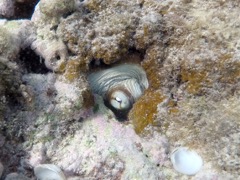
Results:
95 108
25 9
97 63
51 92
21 139
58 57
11 155
32 62
67 14
179 80
81 119
120 115
141 53
87 11
133 55
13 99
158 165
54 28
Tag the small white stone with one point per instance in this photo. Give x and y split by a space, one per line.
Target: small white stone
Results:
186 161
48 172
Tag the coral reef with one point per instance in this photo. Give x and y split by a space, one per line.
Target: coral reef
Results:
14 35
206 43
46 17
144 110
103 148
10 47
203 124
9 70
1 169
17 9
13 176
7 8
48 115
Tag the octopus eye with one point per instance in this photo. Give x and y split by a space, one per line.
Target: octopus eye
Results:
120 87
118 99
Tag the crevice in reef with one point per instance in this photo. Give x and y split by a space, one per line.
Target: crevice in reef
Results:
24 10
96 64
32 62
132 56
13 99
140 53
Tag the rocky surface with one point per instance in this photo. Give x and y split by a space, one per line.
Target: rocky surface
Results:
48 115
17 9
1 169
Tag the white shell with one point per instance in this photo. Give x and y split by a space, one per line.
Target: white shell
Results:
119 100
186 161
48 172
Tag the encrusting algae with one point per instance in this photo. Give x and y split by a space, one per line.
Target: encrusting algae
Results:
145 109
73 69
198 79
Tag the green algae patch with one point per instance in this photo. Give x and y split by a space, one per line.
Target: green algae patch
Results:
145 110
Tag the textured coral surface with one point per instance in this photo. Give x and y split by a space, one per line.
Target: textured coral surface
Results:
190 51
